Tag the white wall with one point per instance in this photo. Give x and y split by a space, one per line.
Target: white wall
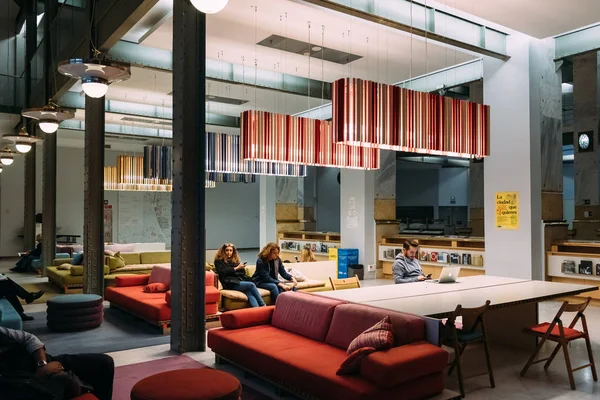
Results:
453 182
328 200
11 208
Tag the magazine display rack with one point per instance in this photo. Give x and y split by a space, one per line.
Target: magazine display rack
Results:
575 261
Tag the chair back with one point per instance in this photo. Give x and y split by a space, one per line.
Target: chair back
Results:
346 283
472 319
567 307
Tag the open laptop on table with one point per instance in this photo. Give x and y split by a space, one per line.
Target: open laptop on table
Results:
448 275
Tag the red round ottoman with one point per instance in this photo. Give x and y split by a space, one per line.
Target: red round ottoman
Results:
188 384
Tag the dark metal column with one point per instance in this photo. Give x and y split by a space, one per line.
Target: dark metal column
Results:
29 201
93 197
49 155
189 152
93 200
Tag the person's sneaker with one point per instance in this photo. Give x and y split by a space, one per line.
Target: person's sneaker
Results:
25 317
34 296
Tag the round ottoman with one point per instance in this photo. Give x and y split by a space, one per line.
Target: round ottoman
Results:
74 312
188 384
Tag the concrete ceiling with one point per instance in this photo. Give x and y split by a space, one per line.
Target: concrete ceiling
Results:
537 18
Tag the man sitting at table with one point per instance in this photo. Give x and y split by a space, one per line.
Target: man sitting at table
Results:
406 267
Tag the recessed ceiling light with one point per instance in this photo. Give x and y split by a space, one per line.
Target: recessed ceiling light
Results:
317 48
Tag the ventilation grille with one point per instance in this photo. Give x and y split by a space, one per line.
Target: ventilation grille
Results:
304 48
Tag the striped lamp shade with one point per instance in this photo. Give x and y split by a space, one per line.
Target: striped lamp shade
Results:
376 115
296 140
223 155
230 178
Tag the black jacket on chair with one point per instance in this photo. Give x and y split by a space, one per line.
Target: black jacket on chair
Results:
228 275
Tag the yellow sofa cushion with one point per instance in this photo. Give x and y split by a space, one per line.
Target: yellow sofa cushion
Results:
77 270
63 278
115 261
155 257
131 258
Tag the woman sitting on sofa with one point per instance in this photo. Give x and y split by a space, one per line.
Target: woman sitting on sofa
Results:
307 255
268 269
232 274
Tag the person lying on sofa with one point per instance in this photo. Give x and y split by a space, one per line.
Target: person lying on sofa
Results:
11 291
268 269
27 372
232 274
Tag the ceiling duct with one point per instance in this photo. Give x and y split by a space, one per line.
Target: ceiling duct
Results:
305 49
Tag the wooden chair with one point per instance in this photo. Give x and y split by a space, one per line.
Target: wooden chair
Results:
347 283
556 332
472 330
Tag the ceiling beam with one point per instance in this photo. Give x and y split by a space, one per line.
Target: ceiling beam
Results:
150 57
581 41
420 20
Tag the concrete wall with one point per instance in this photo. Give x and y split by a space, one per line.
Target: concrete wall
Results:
232 210
328 200
569 193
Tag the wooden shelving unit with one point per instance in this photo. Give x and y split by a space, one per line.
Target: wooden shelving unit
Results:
576 251
440 244
320 240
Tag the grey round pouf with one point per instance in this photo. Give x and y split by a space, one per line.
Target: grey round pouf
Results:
74 312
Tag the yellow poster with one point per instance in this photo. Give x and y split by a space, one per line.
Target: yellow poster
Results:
507 210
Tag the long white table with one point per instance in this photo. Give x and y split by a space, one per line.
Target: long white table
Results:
513 302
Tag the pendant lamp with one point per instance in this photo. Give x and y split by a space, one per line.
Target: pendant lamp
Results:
209 6
49 117
6 156
95 75
23 141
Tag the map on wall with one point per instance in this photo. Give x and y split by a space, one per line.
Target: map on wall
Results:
144 217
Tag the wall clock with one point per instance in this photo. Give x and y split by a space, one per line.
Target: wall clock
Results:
584 141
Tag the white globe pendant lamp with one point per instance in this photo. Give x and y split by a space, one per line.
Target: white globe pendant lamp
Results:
209 6
6 156
95 74
49 117
48 126
23 142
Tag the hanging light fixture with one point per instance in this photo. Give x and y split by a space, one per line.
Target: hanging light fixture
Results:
95 75
23 141
6 156
209 6
49 117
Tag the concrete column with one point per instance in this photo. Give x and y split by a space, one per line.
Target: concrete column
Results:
516 90
295 201
49 200
306 199
384 205
93 197
267 201
357 216
188 239
586 102
476 202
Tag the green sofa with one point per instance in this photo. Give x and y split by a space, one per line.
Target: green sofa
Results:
135 264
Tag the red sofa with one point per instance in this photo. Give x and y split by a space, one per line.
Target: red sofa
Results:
301 342
155 308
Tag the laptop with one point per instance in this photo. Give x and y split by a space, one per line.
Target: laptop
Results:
448 275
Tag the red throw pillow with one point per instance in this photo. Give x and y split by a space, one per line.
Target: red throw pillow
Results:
352 363
155 287
380 336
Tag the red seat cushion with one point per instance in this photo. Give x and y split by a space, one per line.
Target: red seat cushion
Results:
308 365
570 334
188 384
212 295
151 306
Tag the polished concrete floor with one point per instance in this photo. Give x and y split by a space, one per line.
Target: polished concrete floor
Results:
538 384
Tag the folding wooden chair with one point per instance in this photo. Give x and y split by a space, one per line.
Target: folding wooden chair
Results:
556 332
347 283
458 336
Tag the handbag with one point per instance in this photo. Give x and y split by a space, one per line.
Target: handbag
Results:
30 387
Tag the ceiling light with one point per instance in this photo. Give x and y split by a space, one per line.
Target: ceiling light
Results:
48 126
0 168
95 75
317 48
6 156
49 117
209 6
23 141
